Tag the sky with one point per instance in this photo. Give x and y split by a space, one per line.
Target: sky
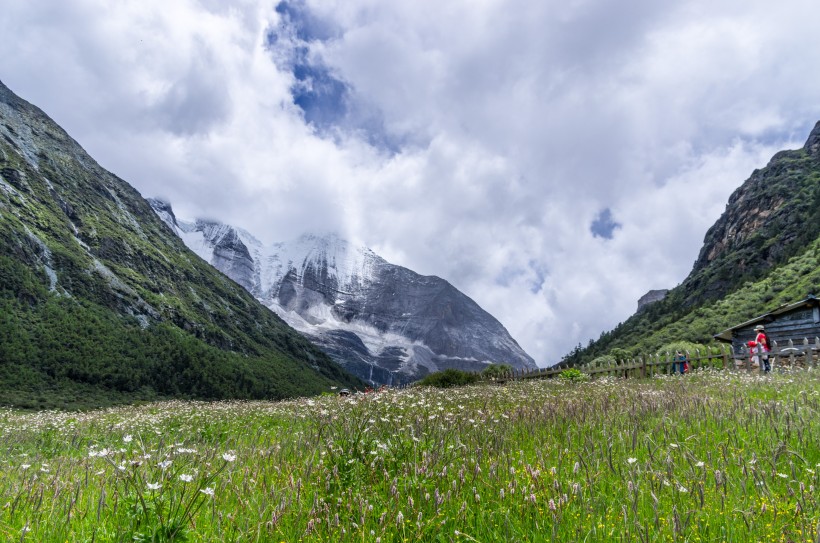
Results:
554 160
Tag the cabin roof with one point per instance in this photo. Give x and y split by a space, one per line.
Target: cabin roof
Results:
727 334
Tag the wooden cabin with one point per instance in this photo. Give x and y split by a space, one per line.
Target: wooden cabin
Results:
797 321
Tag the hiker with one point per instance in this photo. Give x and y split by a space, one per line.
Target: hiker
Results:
763 347
680 361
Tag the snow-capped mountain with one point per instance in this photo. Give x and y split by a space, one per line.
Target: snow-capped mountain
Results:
382 322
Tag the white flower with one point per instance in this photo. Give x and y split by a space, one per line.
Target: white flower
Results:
154 486
127 438
228 457
25 466
186 478
208 490
782 475
164 464
682 488
699 464
673 445
631 460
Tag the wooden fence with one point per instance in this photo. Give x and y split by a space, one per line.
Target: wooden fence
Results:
793 355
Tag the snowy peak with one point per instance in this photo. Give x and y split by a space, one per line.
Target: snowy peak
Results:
384 323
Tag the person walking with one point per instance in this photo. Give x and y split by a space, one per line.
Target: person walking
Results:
763 347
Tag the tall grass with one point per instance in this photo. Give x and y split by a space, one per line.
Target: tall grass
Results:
714 456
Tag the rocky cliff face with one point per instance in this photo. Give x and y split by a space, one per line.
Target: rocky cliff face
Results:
651 297
384 323
769 218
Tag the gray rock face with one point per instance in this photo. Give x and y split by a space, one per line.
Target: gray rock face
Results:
384 323
651 297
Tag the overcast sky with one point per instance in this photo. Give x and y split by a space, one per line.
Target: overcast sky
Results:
554 160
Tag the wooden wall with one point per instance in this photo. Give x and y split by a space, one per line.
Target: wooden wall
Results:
802 322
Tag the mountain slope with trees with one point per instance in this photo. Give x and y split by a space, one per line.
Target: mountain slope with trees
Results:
101 303
762 252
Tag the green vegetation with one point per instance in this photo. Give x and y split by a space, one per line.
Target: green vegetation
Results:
496 371
101 304
573 375
713 457
449 378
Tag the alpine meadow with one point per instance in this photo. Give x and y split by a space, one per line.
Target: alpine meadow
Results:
714 456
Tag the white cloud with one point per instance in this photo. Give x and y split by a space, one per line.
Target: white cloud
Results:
518 123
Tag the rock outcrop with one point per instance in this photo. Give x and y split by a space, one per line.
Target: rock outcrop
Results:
651 297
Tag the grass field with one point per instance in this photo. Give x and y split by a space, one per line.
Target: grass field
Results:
712 456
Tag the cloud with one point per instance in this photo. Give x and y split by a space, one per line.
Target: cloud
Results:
553 160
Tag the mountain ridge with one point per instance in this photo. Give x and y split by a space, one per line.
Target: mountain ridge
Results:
763 251
100 304
385 323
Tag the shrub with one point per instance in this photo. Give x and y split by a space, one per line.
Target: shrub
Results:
494 371
573 375
449 378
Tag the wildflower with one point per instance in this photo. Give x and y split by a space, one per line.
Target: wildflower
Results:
186 478
673 445
154 486
25 466
164 464
631 460
399 518
208 491
700 464
228 457
127 438
551 504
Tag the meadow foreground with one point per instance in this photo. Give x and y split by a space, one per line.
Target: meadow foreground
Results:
714 456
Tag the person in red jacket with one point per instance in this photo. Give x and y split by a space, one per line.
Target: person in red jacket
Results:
763 347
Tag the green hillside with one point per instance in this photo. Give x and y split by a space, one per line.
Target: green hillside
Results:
764 251
101 303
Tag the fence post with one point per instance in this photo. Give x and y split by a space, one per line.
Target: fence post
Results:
817 349
774 355
791 354
808 351
725 357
